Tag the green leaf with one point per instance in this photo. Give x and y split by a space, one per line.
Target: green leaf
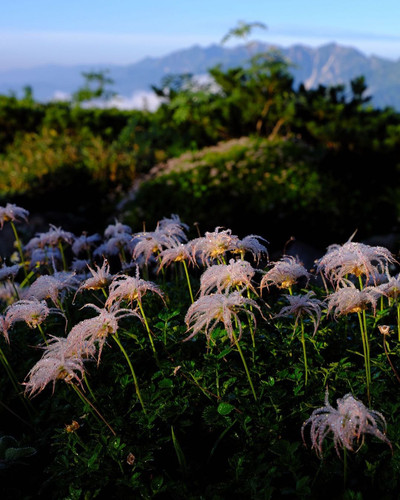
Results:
14 454
223 353
166 383
6 442
225 408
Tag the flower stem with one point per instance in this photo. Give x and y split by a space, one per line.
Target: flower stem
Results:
19 246
303 343
148 331
64 262
135 381
244 364
92 407
42 334
88 386
398 319
188 280
364 338
388 358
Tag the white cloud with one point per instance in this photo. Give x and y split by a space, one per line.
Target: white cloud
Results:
59 95
141 99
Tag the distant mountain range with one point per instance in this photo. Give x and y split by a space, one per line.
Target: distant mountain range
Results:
328 65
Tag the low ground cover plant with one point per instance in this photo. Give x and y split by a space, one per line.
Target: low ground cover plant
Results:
167 364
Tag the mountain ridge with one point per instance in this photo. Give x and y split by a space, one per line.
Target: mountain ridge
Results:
329 64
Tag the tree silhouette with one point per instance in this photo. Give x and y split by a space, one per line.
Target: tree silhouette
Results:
242 30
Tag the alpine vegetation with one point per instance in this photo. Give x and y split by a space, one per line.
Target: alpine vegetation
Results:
190 364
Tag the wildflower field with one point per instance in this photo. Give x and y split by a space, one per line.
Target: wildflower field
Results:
168 364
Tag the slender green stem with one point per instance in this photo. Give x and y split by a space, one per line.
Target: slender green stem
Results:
19 246
221 259
366 354
188 280
88 386
303 343
162 269
29 276
364 316
398 319
388 358
178 450
92 407
42 334
61 248
15 289
79 440
244 364
199 386
253 339
122 256
135 381
148 330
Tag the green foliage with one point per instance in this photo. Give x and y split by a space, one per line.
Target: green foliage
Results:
203 435
327 148
93 88
259 157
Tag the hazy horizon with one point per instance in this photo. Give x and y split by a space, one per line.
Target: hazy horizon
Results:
98 33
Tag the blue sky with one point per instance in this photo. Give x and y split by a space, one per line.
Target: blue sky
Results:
36 32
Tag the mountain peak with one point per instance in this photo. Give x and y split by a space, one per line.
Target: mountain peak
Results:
329 64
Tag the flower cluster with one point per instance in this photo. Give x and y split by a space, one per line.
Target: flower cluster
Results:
349 423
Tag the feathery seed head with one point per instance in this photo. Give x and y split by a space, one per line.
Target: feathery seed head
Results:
173 227
80 266
94 331
303 304
131 289
225 277
84 243
354 258
206 312
9 272
213 245
54 236
150 243
33 312
116 229
7 292
252 245
391 288
100 278
56 364
178 253
4 327
350 299
51 286
284 273
12 213
43 256
349 424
